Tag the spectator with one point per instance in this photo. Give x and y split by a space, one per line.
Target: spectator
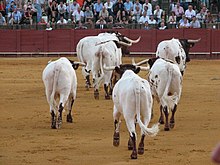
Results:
88 14
87 3
152 21
172 18
110 20
78 15
104 13
101 24
179 11
61 10
144 18
189 13
185 23
162 26
136 14
37 6
146 26
137 4
109 6
10 10
16 17
209 18
80 26
97 8
128 7
118 18
158 13
54 9
42 22
147 11
118 6
90 24
62 20
73 7
149 6
218 17
195 23
2 19
2 8
124 20
48 28
201 16
28 17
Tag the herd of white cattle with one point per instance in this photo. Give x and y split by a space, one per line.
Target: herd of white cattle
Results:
132 95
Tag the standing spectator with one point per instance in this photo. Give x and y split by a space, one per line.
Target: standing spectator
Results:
16 17
109 6
185 23
2 20
149 6
172 18
144 18
189 13
78 15
179 11
128 7
195 23
88 14
104 13
62 20
61 10
158 13
97 8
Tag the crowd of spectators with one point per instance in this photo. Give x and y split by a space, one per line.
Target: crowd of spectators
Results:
108 13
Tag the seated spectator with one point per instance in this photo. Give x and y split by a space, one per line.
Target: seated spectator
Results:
80 26
97 8
10 10
189 13
152 21
172 18
61 10
158 13
42 22
87 3
179 11
195 23
28 16
2 20
124 20
136 6
48 28
110 20
209 18
181 20
118 18
109 6
101 24
144 18
149 12
201 16
128 7
218 17
162 26
104 13
146 26
62 21
90 24
88 14
78 15
73 7
16 17
184 24
149 7
136 14
2 8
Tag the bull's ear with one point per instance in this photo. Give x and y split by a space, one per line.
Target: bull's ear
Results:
191 45
71 61
177 58
75 66
137 70
118 70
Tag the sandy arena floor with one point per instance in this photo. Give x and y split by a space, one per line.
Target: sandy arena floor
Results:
26 137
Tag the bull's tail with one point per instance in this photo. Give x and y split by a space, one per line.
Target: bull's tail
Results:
146 131
171 100
55 80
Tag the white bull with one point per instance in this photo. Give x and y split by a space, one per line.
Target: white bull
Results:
132 98
96 51
166 86
60 81
176 50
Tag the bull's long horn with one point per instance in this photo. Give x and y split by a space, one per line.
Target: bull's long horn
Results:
80 63
142 62
124 44
132 41
108 68
194 41
144 68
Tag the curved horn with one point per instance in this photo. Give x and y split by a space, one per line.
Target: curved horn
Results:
144 68
194 41
132 41
124 44
108 68
80 63
142 62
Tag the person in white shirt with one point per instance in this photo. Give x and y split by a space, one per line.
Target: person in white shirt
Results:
189 13
144 18
62 21
61 10
152 20
158 13
78 15
148 5
109 6
162 26
185 23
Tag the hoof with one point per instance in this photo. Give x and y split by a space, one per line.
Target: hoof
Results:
140 150
53 127
107 97
116 139
166 128
96 97
172 125
134 155
69 118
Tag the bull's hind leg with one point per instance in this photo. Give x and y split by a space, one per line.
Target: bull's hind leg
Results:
166 127
69 118
53 119
172 120
59 120
134 151
141 146
107 96
161 119
116 136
